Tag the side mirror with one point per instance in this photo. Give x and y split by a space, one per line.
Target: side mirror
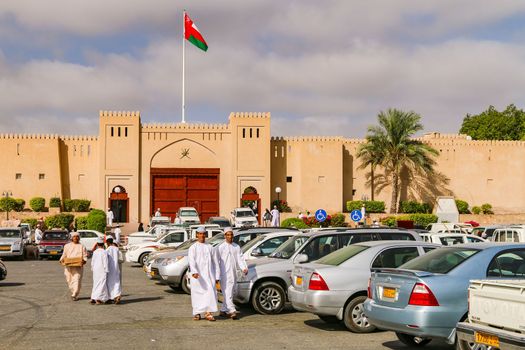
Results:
300 259
257 252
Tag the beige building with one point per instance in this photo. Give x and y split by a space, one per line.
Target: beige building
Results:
136 168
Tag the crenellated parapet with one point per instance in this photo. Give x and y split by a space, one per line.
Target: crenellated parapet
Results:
164 127
307 139
29 136
454 140
82 138
120 114
260 115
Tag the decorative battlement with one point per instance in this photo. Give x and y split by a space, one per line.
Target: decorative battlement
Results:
307 138
79 138
29 136
152 127
264 115
119 114
438 135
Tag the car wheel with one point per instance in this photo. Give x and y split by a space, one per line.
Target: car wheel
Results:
184 283
268 298
412 340
354 316
142 258
328 319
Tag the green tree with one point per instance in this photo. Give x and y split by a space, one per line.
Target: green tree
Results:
495 125
393 148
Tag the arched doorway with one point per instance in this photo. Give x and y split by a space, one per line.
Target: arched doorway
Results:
250 198
119 204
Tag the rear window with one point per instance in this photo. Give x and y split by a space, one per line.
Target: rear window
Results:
55 235
340 256
441 260
396 236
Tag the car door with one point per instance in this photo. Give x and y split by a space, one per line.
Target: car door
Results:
268 246
320 246
507 264
174 239
88 239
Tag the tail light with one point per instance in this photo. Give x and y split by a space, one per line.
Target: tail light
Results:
422 296
369 289
317 282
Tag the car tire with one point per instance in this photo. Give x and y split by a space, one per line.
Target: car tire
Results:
184 284
412 340
142 258
328 319
354 317
269 298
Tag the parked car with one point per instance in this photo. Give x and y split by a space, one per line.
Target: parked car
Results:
219 220
211 230
52 243
244 217
171 268
485 231
426 297
27 232
444 226
12 242
509 234
491 323
268 279
265 244
138 253
189 216
88 238
159 220
335 286
3 271
450 238
152 234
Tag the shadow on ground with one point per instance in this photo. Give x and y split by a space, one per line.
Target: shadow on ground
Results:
11 284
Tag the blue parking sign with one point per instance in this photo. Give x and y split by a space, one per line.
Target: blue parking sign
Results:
320 215
356 215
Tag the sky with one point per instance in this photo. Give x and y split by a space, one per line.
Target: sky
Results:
319 67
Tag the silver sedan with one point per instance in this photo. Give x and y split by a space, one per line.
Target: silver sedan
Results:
335 286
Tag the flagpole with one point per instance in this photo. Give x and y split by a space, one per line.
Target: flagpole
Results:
183 61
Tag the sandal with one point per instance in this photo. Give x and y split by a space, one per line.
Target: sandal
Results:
197 317
210 317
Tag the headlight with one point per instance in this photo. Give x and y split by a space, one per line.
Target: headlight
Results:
16 245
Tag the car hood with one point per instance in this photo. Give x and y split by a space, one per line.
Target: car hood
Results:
173 254
146 244
55 242
141 234
9 240
246 219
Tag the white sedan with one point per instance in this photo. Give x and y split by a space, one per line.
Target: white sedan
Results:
137 253
88 238
450 238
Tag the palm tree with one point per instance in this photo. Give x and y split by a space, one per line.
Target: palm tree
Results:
391 146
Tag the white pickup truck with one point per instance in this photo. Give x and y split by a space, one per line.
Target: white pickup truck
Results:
496 318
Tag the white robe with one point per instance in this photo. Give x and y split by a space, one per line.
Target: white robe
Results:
203 261
109 218
275 217
113 282
117 232
100 268
230 260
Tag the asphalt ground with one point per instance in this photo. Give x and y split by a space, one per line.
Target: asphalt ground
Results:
36 312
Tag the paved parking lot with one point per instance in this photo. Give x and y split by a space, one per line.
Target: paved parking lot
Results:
36 313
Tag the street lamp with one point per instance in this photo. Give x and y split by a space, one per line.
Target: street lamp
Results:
278 191
117 190
7 194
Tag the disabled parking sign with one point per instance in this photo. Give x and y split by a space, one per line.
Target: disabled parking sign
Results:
356 215
320 215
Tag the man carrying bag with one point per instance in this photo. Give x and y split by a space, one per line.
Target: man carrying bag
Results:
73 259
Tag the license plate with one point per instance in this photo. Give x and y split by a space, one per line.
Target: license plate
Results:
218 285
389 293
299 280
152 273
5 248
487 339
53 253
145 269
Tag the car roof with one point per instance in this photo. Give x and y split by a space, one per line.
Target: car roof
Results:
217 218
488 245
358 231
259 229
187 208
280 233
10 228
397 243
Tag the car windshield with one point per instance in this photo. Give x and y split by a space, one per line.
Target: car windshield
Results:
244 213
288 248
340 256
217 239
188 213
55 235
10 234
221 223
251 243
187 244
441 260
478 231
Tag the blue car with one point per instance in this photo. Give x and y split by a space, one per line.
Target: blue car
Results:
426 297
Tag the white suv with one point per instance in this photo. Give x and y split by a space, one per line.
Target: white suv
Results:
188 216
244 217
